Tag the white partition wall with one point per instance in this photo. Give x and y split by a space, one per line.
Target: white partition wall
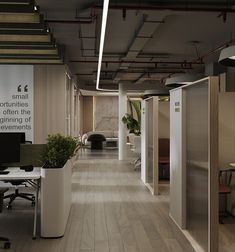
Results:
177 158
143 141
149 142
227 143
194 162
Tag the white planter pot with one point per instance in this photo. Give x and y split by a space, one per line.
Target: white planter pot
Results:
55 200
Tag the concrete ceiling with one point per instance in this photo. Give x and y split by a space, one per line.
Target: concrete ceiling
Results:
146 41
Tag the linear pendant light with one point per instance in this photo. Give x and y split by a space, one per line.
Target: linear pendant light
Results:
227 56
102 37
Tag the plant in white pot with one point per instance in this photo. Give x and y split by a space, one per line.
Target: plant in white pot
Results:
56 184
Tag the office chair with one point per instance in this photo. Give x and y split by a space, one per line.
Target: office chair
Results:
135 142
225 177
164 158
5 243
17 194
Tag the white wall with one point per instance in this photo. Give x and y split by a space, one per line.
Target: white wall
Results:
49 101
227 139
226 129
87 115
105 113
177 169
16 99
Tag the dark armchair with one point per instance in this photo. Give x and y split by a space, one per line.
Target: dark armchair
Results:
164 158
96 141
225 178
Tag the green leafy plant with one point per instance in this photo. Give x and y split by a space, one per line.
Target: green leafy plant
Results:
133 125
58 150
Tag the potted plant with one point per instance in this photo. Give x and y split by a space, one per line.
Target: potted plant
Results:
58 150
133 125
56 184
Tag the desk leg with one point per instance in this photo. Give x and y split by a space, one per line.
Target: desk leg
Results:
36 210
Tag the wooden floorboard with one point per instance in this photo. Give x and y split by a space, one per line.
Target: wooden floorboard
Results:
112 211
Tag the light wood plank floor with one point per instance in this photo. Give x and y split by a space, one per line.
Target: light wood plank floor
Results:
112 211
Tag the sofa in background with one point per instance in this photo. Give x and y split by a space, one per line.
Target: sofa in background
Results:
110 135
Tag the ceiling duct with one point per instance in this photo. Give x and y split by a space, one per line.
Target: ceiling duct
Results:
201 6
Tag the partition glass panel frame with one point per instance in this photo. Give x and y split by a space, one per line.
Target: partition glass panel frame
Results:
150 137
201 152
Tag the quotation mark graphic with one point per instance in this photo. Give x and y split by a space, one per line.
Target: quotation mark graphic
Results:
19 88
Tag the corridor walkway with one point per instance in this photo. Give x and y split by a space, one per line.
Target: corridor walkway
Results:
112 211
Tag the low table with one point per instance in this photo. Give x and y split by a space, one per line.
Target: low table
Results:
111 142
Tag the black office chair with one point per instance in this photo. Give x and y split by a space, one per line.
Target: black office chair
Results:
5 243
225 177
17 194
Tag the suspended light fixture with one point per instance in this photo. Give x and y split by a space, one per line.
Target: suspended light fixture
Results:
102 37
156 92
182 79
227 56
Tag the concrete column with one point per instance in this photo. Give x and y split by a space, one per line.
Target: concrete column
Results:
122 101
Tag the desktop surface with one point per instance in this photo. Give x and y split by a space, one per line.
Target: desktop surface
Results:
17 173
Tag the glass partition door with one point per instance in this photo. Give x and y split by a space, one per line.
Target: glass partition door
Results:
197 162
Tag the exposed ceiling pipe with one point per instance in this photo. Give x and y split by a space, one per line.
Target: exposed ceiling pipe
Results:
183 63
60 21
137 72
171 7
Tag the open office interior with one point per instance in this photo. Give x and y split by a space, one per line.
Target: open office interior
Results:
117 126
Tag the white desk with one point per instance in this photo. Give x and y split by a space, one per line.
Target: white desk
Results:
232 164
18 174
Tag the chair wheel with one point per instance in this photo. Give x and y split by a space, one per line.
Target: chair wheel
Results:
9 207
7 245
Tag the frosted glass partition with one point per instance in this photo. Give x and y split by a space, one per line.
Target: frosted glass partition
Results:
194 161
150 142
197 162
